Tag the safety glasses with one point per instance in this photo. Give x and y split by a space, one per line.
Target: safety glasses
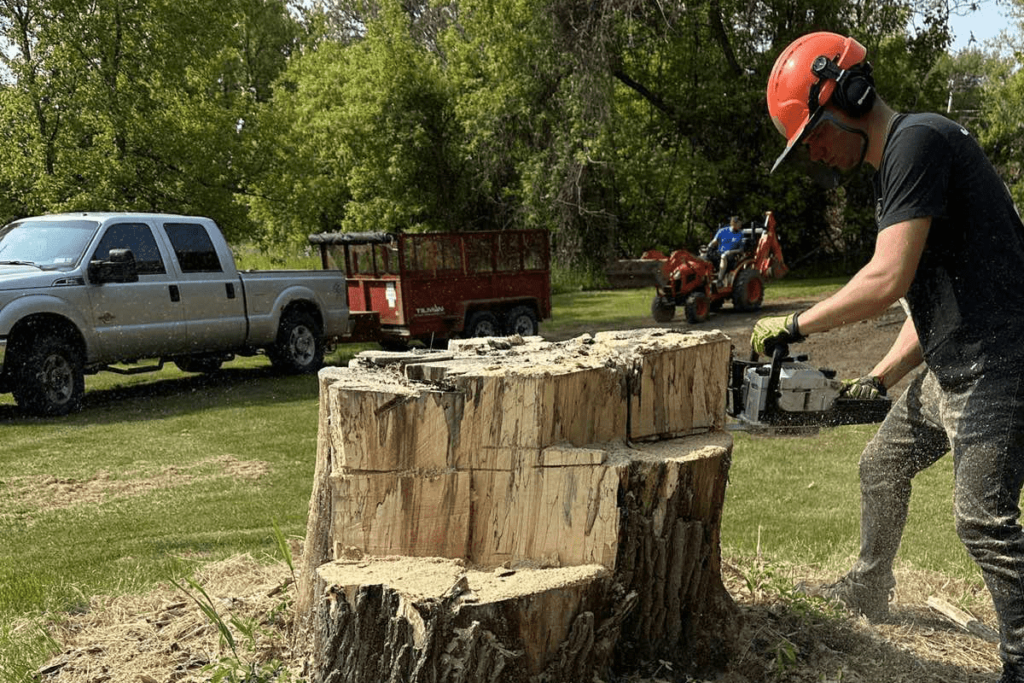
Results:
797 153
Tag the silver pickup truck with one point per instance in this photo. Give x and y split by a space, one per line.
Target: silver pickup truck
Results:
82 292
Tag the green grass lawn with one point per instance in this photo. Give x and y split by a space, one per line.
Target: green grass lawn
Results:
797 500
579 311
154 467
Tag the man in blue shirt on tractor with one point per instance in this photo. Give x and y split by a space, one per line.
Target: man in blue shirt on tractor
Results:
729 242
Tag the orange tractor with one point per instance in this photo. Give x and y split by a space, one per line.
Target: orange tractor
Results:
682 279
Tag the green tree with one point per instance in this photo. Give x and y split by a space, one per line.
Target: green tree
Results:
361 136
136 104
616 124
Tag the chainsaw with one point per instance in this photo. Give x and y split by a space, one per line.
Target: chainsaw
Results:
789 395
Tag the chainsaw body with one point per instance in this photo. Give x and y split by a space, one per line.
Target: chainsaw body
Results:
790 393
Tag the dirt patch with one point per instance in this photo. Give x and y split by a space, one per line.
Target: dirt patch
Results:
25 495
163 635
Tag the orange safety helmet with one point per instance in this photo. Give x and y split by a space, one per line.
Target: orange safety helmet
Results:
813 71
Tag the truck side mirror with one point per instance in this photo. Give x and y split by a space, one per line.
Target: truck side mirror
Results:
119 266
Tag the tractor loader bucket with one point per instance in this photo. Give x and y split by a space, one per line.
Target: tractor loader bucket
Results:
636 274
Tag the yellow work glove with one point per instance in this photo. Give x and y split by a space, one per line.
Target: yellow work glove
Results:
868 386
770 332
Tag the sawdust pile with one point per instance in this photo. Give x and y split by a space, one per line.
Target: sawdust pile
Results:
163 636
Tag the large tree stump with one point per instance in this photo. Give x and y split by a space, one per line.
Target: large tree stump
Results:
603 459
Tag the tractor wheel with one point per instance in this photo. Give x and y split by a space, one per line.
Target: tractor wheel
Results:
663 309
748 290
697 307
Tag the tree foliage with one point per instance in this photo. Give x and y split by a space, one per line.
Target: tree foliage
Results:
135 104
618 125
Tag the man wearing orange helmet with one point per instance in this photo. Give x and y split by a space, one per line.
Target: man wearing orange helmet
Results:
951 242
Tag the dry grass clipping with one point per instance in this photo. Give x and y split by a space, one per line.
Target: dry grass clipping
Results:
44 492
163 637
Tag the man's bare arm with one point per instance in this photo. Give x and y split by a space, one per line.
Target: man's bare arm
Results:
903 356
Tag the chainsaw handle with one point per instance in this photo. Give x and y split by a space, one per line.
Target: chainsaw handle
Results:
779 352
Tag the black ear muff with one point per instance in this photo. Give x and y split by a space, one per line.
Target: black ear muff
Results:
855 87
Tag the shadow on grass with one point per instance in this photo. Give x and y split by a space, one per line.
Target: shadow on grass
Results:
165 397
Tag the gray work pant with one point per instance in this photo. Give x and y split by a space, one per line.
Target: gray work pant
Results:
982 422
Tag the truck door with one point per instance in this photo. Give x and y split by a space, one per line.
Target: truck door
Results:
136 319
213 299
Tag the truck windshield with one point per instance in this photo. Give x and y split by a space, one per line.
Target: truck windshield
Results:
49 245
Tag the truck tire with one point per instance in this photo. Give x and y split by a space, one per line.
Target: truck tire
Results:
49 378
521 320
697 307
299 348
204 364
663 309
748 290
482 324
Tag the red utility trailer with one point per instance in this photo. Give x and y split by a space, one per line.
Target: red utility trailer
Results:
430 287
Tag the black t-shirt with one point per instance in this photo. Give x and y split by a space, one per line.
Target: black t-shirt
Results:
967 297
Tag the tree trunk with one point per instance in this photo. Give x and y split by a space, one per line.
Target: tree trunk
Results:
604 456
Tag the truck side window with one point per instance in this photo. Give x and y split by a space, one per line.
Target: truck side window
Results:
193 248
139 238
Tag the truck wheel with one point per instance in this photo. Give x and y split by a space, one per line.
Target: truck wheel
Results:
521 320
203 364
663 309
299 348
748 290
49 379
482 324
697 307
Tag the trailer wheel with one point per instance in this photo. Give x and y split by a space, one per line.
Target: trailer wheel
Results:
49 378
697 307
663 309
299 348
482 324
748 290
521 320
